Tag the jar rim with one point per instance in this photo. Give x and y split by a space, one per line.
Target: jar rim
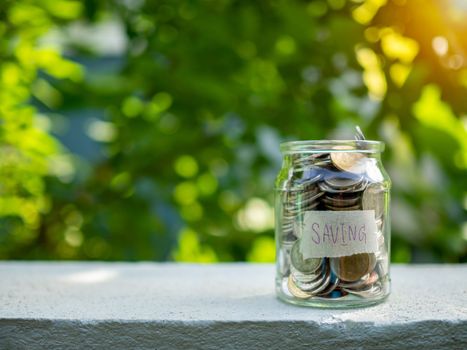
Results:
327 146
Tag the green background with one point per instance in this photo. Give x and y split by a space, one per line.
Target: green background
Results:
150 130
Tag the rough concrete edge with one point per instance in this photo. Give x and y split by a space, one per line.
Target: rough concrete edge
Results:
70 334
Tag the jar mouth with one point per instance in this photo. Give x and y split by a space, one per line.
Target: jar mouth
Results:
327 146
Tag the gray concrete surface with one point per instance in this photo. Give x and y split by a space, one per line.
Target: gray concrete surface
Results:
223 306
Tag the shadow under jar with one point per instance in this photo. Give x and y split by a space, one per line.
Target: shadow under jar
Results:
332 224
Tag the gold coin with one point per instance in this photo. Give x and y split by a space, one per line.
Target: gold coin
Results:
295 291
352 162
353 267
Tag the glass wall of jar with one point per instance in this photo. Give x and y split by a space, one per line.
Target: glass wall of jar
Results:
332 224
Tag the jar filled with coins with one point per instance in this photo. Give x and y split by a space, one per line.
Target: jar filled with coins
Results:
332 223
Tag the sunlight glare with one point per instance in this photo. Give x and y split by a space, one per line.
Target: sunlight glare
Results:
440 45
91 277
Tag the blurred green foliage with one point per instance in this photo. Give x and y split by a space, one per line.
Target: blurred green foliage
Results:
149 129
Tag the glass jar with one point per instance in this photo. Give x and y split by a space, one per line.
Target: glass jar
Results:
332 224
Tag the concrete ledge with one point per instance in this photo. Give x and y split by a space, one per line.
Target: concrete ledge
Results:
225 306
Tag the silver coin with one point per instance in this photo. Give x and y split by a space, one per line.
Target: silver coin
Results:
340 201
373 198
288 238
357 188
316 286
354 207
321 155
306 277
287 229
308 157
310 199
287 216
330 288
288 220
309 175
364 282
300 263
301 207
310 206
290 210
309 193
311 286
289 199
323 163
370 292
359 134
303 277
342 182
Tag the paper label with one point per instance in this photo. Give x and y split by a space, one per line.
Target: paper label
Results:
338 233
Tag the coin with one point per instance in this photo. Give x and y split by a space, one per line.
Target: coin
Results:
355 284
320 155
310 206
295 291
309 196
305 277
373 198
287 228
339 200
370 292
372 279
323 163
349 160
307 157
311 202
310 286
365 281
301 264
334 282
353 267
342 182
310 175
354 207
288 240
359 134
357 188
316 286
